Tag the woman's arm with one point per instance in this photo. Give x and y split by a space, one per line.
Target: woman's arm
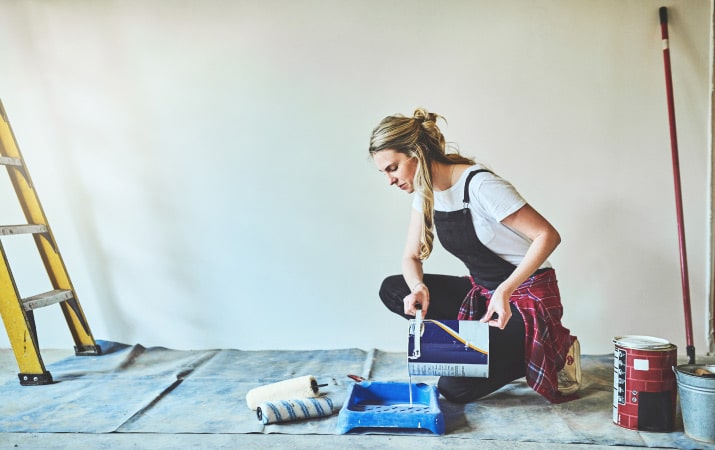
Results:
412 268
527 221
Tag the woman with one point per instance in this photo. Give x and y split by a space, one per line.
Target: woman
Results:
482 220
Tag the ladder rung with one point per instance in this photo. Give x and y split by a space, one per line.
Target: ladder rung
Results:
8 230
7 161
45 299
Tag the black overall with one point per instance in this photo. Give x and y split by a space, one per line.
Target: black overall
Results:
456 233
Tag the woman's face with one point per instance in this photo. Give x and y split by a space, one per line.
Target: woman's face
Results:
399 168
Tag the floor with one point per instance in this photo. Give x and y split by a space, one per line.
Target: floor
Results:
287 437
273 441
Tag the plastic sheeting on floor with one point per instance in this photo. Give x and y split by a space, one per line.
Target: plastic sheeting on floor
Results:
133 389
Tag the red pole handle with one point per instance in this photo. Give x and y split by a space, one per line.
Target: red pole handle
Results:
676 181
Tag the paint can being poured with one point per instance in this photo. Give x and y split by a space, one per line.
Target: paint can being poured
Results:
644 391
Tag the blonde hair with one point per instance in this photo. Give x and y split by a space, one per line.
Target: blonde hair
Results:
418 137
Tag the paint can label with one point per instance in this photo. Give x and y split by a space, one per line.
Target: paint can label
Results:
456 348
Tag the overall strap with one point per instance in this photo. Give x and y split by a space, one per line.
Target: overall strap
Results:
466 184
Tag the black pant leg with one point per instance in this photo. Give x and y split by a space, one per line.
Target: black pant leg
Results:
446 295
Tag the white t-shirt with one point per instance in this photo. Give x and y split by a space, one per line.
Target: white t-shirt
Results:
491 200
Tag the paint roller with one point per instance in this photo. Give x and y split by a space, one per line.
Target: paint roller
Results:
301 387
295 409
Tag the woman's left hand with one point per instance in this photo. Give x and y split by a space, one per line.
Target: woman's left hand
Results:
498 304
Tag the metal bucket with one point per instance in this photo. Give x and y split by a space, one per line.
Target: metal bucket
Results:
697 401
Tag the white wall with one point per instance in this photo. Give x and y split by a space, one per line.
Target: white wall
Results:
204 164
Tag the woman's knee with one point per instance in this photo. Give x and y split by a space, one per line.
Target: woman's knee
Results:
392 291
466 389
459 390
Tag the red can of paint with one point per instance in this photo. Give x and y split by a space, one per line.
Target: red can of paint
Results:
644 386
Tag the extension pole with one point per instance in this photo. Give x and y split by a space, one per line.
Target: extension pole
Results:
690 349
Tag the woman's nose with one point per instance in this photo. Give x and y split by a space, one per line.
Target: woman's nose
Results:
391 179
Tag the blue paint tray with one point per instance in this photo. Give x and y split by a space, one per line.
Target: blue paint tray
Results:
386 405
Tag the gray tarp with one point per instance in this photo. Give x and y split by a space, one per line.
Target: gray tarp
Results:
158 390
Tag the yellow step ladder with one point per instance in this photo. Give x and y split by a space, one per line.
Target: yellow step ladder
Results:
17 312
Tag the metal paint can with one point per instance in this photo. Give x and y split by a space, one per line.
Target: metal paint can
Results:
644 385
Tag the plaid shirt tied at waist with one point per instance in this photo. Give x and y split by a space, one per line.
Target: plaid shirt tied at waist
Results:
547 342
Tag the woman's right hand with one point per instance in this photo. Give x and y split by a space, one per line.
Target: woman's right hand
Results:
418 299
